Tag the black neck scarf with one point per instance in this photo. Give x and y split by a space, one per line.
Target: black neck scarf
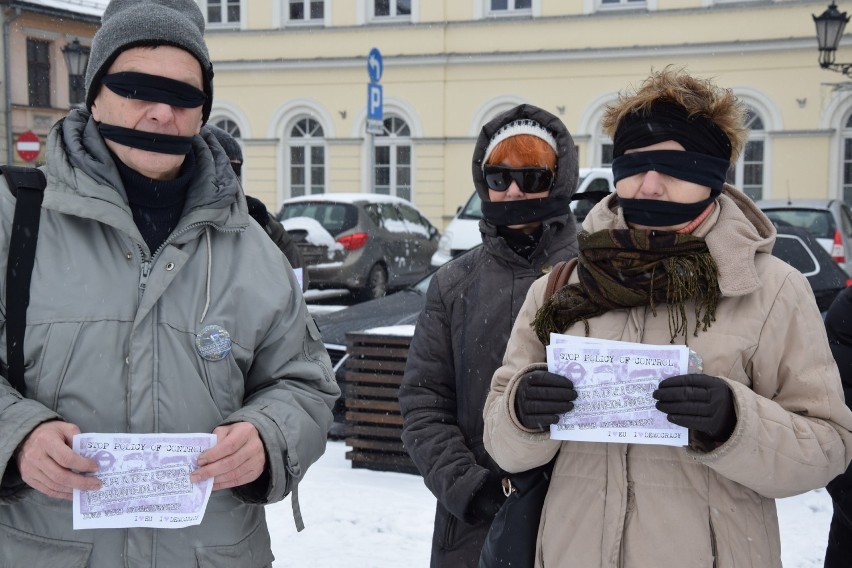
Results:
626 268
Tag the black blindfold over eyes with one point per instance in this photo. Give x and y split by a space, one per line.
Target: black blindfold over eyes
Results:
529 180
688 166
154 88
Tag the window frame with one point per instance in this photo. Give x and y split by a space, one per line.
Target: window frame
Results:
393 17
38 73
205 8
603 5
510 9
395 142
285 11
755 136
307 143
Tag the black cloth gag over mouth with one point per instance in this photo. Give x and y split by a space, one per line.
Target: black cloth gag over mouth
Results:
149 141
522 211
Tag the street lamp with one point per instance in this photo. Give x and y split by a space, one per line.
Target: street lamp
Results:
76 57
829 29
76 60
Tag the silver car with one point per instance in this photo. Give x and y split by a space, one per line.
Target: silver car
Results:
363 242
828 220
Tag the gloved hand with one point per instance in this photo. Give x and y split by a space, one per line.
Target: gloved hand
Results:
698 402
488 500
541 397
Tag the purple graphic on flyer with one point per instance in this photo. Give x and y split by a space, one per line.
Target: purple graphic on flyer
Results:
614 383
144 480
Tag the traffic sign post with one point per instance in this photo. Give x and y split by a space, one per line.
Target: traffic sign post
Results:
375 110
28 146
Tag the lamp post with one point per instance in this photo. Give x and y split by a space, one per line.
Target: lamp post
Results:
829 29
76 60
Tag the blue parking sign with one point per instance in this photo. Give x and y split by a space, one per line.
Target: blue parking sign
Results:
374 101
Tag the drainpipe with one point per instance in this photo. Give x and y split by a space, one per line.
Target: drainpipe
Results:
10 156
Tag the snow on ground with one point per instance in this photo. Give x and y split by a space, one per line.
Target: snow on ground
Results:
371 519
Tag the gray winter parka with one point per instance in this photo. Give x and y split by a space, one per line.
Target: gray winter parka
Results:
458 344
110 346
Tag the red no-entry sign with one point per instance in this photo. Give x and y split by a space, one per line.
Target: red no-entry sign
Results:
28 146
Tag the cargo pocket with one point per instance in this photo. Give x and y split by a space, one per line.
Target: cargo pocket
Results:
254 551
19 548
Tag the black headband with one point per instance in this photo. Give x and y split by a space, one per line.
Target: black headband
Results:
669 121
154 88
689 166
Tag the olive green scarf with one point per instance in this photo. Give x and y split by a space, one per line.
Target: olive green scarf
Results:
625 268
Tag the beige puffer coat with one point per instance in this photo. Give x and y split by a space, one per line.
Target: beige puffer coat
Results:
620 505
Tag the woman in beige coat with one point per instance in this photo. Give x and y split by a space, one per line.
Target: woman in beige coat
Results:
677 256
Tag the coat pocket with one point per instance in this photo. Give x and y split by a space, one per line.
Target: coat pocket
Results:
19 548
254 551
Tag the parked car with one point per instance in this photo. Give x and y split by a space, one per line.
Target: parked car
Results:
828 220
364 242
798 248
463 231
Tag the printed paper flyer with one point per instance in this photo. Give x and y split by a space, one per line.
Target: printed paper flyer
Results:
145 481
614 381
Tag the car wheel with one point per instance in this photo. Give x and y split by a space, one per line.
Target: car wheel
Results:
377 284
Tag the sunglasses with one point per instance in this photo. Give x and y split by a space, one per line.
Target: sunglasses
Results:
529 180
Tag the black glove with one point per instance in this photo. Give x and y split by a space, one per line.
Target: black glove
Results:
541 397
257 210
698 402
487 501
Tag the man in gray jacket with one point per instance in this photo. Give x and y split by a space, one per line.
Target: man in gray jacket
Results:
156 306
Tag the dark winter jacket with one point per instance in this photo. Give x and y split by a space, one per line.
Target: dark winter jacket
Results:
838 326
278 234
458 343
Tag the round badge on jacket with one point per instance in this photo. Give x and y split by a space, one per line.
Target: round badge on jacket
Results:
213 343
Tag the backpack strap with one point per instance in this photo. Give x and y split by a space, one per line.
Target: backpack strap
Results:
27 185
558 276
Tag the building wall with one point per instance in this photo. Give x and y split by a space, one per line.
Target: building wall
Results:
58 29
452 66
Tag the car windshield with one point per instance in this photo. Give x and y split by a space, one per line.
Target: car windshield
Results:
334 217
818 222
473 208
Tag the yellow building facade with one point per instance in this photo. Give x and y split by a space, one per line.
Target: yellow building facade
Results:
291 82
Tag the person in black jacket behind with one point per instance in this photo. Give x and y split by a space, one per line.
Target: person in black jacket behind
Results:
258 210
838 326
525 171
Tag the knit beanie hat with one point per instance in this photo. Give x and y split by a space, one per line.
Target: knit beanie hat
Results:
228 143
133 23
521 126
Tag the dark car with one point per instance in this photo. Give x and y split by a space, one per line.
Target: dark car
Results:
828 220
363 242
798 248
401 308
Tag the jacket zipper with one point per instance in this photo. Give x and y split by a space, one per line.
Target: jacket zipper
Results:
147 263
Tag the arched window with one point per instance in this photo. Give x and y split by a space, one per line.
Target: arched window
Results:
229 126
306 149
747 174
847 162
393 159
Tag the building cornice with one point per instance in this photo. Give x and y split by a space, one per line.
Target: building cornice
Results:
541 56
